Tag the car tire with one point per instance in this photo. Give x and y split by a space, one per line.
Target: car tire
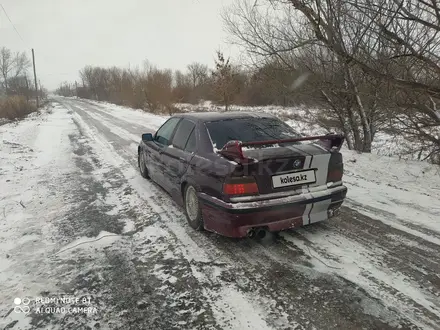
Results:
142 166
192 207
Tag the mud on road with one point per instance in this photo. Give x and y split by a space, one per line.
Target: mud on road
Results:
125 243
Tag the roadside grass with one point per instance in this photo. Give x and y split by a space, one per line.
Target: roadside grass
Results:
15 107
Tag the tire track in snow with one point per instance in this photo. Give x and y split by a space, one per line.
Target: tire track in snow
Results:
112 116
365 266
403 226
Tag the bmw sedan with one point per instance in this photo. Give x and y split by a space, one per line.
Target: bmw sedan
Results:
242 174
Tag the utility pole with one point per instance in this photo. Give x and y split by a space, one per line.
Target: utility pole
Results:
35 77
76 88
27 88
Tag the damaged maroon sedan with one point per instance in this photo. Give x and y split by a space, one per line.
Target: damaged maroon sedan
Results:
242 174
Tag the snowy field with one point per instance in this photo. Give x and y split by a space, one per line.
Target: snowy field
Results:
78 220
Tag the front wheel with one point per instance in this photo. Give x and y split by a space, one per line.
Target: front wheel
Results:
192 208
142 165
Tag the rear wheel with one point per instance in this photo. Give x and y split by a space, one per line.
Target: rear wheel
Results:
143 165
192 208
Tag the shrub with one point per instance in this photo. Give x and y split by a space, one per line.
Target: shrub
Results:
14 107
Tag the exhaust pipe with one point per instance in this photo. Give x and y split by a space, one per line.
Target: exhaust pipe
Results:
261 233
250 233
333 212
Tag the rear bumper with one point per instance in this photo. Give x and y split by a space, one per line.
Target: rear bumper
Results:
236 219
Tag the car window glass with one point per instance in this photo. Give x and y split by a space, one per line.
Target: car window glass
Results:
182 133
191 145
164 133
248 129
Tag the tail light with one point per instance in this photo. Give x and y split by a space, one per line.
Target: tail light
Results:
335 168
335 175
240 186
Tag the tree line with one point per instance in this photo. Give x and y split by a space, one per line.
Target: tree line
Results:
158 89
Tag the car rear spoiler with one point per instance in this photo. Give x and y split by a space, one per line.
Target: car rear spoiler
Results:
233 149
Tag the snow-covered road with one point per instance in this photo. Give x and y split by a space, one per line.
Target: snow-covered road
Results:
77 220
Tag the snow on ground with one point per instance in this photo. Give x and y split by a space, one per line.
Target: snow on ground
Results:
39 249
40 239
407 192
135 116
32 162
365 268
114 217
4 121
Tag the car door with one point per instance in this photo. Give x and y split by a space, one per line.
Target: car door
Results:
176 157
161 141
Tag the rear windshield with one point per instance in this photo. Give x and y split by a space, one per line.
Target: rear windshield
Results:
248 129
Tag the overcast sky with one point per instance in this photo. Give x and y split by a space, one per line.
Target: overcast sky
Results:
69 34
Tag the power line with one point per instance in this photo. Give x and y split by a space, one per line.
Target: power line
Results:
12 23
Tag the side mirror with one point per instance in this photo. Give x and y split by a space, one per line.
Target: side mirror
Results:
147 137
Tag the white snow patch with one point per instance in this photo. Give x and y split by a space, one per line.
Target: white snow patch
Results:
407 189
237 312
133 116
129 226
364 267
35 154
117 130
104 239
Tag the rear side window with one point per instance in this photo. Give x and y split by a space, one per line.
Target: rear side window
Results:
191 145
164 134
248 129
182 133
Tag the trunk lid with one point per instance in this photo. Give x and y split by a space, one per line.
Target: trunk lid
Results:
287 167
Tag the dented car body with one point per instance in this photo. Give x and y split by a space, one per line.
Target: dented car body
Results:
238 174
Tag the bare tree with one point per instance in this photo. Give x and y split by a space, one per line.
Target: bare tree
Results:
384 57
223 80
183 87
198 73
277 32
12 65
21 63
6 65
265 31
158 89
65 89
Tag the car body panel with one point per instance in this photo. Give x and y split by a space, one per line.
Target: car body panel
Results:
177 162
232 220
153 159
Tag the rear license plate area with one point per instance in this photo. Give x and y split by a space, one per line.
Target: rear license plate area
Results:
293 179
